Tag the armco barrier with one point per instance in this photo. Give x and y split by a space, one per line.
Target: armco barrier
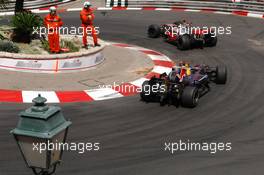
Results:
244 8
220 5
33 4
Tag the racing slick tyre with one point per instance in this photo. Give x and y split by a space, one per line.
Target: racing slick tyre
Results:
184 42
163 100
210 41
190 97
178 23
221 74
163 95
154 31
145 93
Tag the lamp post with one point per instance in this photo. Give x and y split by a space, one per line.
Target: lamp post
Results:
19 6
39 128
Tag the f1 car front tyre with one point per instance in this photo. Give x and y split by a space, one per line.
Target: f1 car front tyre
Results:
184 42
145 93
154 31
190 97
210 41
163 100
221 74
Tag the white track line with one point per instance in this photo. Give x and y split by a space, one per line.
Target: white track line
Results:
108 2
103 94
123 3
115 3
51 96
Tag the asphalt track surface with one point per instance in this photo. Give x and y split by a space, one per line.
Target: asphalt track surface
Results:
132 133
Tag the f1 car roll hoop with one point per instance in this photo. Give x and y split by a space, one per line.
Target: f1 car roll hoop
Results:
184 85
183 35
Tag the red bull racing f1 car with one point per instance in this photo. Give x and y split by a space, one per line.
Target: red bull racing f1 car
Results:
184 85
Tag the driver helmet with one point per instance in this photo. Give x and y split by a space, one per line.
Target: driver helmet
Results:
173 74
181 63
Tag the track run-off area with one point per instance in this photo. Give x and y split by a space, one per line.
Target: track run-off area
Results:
132 133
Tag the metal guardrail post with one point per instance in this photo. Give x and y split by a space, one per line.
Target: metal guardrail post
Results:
30 4
226 5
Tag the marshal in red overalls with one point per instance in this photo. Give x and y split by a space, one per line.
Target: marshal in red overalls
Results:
87 16
52 21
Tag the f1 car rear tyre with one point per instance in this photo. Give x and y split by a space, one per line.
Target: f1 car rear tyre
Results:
145 93
178 23
221 74
190 97
154 31
184 42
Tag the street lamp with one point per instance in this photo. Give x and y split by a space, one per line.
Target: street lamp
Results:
19 6
39 128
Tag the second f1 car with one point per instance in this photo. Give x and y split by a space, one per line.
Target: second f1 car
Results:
183 35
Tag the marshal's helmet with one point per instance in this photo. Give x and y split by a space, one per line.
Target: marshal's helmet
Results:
87 4
52 10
